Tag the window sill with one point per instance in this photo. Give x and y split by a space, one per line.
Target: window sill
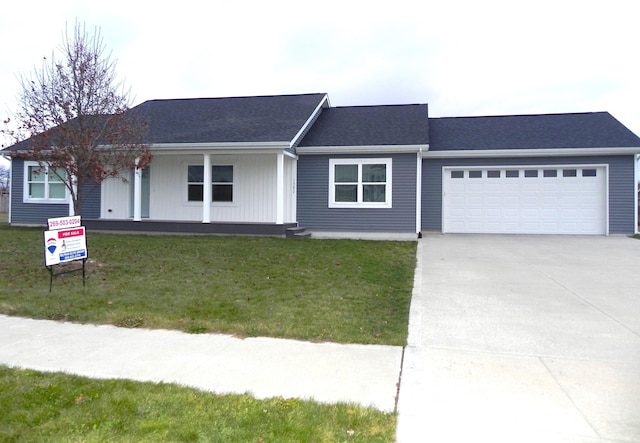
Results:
360 205
44 201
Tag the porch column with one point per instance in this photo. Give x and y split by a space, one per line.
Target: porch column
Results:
137 193
206 190
280 188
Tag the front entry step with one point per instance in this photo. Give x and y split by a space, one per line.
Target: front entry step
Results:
297 232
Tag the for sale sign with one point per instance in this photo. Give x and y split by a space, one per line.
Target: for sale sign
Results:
64 245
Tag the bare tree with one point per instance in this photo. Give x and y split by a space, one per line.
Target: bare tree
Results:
73 117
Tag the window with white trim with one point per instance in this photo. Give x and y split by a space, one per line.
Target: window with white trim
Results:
221 183
43 184
360 183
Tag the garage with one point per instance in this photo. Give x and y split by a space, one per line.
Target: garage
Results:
557 199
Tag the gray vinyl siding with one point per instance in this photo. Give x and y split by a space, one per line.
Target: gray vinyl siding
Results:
621 185
30 213
91 202
37 213
313 198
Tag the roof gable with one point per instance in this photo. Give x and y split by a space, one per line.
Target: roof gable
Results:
233 119
545 131
370 126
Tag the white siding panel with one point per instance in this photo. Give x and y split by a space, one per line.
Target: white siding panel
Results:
115 199
256 190
253 189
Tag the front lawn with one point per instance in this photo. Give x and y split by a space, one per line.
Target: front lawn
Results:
38 407
318 290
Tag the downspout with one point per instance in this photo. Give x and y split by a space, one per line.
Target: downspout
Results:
419 192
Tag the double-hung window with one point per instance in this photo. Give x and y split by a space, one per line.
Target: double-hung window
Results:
221 183
360 183
44 184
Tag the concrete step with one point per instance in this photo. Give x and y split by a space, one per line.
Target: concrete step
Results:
297 232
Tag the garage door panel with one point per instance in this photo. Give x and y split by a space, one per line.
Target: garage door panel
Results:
547 200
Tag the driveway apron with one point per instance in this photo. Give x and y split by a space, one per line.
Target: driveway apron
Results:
523 338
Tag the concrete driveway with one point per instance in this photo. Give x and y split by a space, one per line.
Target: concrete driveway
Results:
523 338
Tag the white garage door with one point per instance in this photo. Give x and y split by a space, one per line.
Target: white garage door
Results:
525 200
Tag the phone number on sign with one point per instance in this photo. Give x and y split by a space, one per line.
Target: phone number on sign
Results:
64 222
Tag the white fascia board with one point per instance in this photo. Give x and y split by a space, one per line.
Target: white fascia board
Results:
222 145
372 149
219 148
324 103
561 152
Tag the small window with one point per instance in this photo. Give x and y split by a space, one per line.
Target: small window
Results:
569 173
222 182
493 174
589 172
531 173
475 174
457 174
195 183
512 173
550 173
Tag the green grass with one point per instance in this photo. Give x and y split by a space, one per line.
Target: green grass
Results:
38 407
318 290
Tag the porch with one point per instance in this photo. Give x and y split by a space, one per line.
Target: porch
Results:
194 227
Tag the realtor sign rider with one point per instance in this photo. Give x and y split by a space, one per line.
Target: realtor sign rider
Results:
65 241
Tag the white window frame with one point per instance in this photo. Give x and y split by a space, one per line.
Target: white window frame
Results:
360 203
212 202
46 199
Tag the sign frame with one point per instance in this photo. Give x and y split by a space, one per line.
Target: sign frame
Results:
65 242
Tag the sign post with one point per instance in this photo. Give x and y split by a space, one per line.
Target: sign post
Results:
64 242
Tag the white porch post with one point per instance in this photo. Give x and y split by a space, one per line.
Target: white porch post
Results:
206 190
137 193
280 188
74 185
71 209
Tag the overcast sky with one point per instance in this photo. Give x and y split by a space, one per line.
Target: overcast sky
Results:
462 57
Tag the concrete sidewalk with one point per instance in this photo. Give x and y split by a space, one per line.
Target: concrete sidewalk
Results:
523 339
264 367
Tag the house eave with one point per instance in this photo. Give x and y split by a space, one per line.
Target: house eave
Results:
220 148
561 152
220 145
369 149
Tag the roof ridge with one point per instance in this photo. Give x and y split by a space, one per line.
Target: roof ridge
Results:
234 97
520 115
380 106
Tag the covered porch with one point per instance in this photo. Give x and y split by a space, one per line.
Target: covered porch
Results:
211 191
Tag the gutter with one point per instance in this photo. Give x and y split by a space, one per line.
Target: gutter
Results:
369 149
218 145
549 152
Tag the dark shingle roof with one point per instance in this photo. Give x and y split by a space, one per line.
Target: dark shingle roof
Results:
579 130
233 119
369 126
